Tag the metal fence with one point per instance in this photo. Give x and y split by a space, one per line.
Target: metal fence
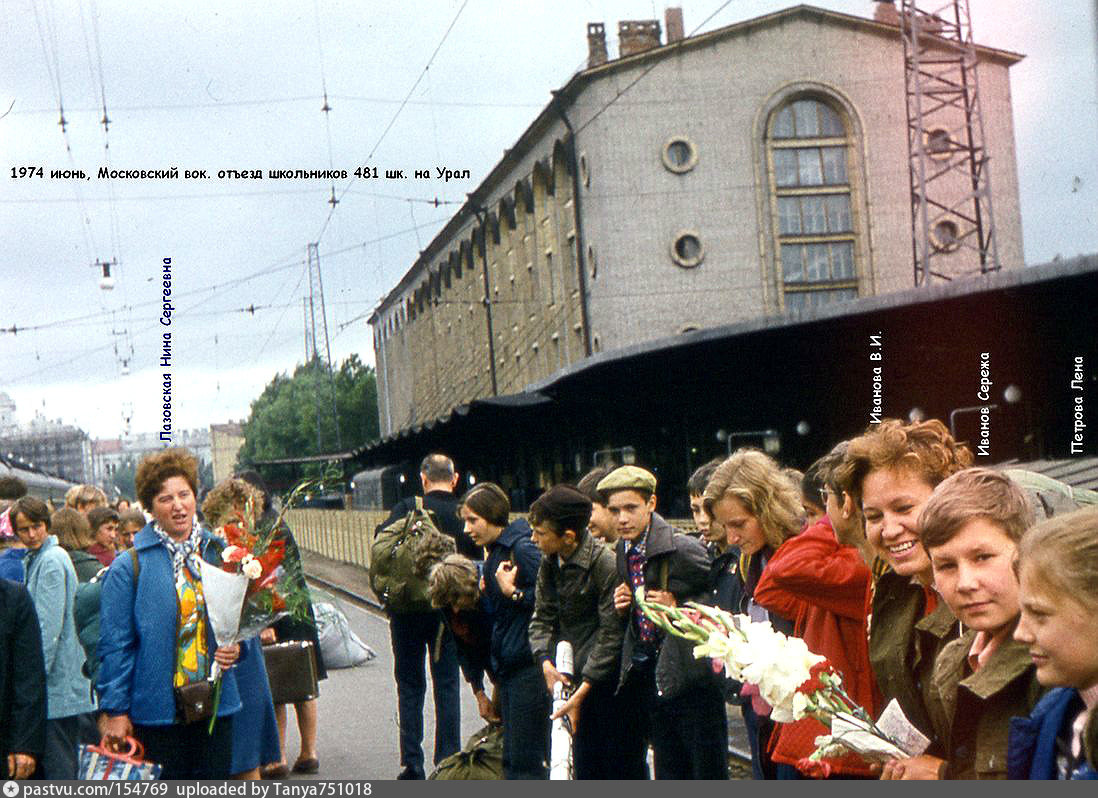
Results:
346 535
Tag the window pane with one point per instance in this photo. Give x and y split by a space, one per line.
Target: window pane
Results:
815 219
792 270
789 215
838 213
830 124
809 171
834 165
783 123
806 119
815 263
795 300
842 260
785 167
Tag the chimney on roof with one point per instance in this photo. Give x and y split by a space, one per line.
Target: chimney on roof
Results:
672 21
596 44
638 35
886 12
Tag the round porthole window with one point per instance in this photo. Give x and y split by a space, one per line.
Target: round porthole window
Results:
687 250
679 154
946 236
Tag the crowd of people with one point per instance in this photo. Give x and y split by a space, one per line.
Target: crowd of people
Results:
963 595
105 634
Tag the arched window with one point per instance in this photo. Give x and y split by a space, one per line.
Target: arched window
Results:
808 146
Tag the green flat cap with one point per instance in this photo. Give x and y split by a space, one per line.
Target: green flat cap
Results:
628 478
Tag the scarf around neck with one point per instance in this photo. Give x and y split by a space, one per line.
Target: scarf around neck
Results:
184 552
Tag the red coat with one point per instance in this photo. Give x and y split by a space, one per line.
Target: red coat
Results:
821 586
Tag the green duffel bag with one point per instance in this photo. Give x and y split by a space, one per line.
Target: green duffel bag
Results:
480 760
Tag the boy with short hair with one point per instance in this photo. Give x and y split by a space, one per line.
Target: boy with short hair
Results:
601 524
970 528
574 601
675 701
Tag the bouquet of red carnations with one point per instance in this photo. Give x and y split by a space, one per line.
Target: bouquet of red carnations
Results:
253 587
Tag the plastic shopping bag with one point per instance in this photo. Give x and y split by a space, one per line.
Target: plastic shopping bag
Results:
99 763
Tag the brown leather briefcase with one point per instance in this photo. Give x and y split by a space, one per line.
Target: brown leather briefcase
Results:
291 670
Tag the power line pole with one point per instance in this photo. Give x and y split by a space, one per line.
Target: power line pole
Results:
314 308
952 226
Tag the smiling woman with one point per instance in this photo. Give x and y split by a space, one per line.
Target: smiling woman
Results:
891 470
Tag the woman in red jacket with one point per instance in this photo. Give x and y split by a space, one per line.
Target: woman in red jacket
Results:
820 582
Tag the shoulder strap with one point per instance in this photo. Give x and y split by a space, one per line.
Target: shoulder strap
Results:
665 568
136 565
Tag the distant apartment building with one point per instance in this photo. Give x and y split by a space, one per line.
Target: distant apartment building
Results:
755 170
54 447
225 443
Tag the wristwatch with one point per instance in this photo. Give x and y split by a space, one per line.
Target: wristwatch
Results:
517 596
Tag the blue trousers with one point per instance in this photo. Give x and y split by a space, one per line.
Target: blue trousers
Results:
525 706
415 635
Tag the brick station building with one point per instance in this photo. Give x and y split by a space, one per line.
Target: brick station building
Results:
755 171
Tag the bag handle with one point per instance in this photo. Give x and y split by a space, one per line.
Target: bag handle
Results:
134 753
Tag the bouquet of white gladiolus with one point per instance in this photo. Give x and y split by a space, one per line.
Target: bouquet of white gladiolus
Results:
795 682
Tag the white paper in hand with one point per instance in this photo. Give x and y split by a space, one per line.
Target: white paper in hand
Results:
895 724
224 594
855 735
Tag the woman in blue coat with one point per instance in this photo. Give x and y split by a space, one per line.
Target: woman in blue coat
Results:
154 633
51 582
255 729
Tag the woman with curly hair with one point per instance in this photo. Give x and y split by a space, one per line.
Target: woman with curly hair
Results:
168 643
891 470
255 730
759 507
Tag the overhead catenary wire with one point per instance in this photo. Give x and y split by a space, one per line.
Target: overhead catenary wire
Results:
395 116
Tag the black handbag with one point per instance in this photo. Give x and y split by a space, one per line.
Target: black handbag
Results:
291 670
194 701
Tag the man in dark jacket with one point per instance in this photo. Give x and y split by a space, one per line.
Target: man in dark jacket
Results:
575 602
22 683
677 700
416 634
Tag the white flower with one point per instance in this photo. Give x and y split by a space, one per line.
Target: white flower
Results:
252 569
801 706
228 552
827 748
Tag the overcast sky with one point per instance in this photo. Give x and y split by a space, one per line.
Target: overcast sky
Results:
211 85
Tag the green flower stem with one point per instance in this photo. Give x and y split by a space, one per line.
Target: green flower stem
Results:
216 704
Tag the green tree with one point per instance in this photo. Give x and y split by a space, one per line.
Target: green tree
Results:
123 479
283 419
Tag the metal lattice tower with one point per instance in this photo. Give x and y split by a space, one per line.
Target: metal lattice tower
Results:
314 306
953 232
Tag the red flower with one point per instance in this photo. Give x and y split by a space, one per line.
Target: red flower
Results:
813 683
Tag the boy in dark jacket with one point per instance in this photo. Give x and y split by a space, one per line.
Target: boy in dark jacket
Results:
575 602
676 701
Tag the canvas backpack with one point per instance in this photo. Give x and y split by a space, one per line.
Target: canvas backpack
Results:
393 575
480 760
85 613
